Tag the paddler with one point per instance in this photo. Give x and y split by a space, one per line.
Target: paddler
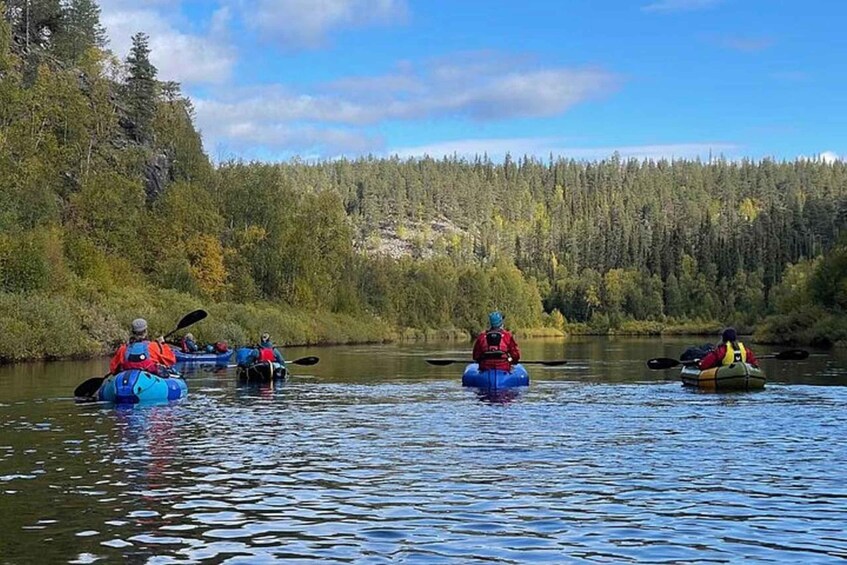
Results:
496 348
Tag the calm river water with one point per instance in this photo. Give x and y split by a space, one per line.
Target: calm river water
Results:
374 456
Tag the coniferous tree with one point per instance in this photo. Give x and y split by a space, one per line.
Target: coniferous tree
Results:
81 30
141 88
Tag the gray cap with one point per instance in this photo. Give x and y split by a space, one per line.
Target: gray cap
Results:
139 325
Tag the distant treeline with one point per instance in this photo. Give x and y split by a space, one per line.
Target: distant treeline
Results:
106 193
609 241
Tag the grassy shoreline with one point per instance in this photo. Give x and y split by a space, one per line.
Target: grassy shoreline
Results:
91 323
88 324
709 328
37 327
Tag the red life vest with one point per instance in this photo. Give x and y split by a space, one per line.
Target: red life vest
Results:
267 354
495 346
137 356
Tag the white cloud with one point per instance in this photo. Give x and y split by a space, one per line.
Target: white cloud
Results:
531 94
830 157
668 6
428 92
484 90
542 147
287 140
277 104
480 85
190 58
306 23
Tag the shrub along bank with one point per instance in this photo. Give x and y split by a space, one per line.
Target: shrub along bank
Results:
39 326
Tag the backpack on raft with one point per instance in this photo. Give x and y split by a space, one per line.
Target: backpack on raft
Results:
243 356
696 352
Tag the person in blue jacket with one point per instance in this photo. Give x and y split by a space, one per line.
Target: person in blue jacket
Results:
266 351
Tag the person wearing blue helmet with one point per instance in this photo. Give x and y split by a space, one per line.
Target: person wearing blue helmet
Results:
496 348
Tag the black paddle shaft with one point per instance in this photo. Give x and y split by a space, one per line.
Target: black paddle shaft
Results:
445 362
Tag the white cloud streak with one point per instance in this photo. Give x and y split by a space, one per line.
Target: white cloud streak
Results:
515 94
287 140
484 91
670 6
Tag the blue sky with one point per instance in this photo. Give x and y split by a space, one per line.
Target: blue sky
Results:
275 79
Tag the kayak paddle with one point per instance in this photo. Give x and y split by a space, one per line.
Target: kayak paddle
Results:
304 361
301 361
443 362
666 363
90 387
189 319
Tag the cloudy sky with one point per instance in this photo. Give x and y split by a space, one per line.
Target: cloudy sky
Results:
275 79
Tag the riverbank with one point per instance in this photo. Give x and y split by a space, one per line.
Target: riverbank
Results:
42 327
85 325
813 326
88 324
654 328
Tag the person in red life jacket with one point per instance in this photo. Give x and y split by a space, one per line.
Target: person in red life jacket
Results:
495 348
729 352
141 353
266 351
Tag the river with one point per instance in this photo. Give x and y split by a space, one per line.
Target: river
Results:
374 456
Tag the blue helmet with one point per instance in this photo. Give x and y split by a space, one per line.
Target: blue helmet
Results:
495 319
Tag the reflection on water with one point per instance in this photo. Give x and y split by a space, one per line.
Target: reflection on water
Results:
499 396
374 456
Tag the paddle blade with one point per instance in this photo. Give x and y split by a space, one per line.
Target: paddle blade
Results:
305 361
89 388
190 318
662 363
545 363
187 320
443 362
792 355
